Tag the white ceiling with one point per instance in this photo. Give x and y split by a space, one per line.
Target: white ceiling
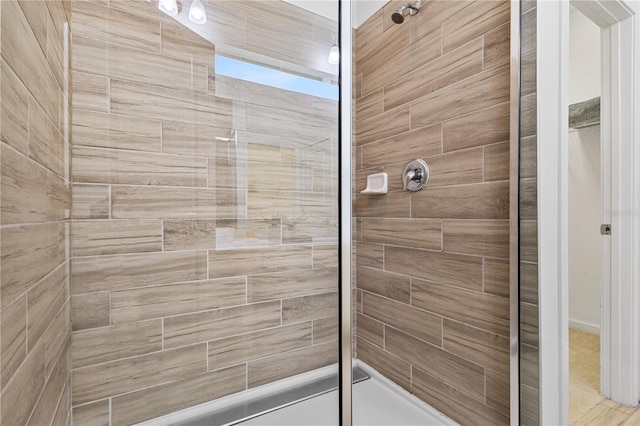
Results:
361 9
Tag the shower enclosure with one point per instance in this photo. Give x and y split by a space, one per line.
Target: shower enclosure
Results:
185 239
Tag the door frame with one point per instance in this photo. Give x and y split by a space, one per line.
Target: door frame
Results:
621 96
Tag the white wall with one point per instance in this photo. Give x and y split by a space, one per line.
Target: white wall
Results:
362 9
584 178
584 58
584 228
326 8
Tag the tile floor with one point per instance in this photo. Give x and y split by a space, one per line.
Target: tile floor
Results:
586 406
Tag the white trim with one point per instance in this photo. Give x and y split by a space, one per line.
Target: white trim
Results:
619 342
584 326
552 116
624 345
605 214
553 18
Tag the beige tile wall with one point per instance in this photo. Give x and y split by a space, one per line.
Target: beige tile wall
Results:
200 268
35 213
432 266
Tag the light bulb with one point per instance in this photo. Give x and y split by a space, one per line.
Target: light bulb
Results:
334 54
197 14
170 7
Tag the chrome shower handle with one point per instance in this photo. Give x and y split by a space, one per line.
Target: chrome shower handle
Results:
415 175
412 175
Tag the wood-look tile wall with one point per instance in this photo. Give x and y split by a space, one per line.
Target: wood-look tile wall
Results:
35 213
529 347
200 268
432 266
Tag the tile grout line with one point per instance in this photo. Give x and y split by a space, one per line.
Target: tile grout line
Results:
484 41
206 354
162 238
26 328
484 170
484 271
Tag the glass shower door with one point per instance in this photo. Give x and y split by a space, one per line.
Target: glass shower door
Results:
205 210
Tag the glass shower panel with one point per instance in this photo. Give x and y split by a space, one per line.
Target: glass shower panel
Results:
205 211
432 284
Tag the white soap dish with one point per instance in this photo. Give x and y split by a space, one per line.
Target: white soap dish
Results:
376 184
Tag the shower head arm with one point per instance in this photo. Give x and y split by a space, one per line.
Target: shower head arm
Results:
413 7
404 10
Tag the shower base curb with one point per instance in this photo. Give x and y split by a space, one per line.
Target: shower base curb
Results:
241 406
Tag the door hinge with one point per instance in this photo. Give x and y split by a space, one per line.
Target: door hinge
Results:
605 229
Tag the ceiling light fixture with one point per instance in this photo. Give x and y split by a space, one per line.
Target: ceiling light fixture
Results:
334 54
170 7
197 13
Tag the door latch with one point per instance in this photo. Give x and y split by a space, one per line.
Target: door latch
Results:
605 229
